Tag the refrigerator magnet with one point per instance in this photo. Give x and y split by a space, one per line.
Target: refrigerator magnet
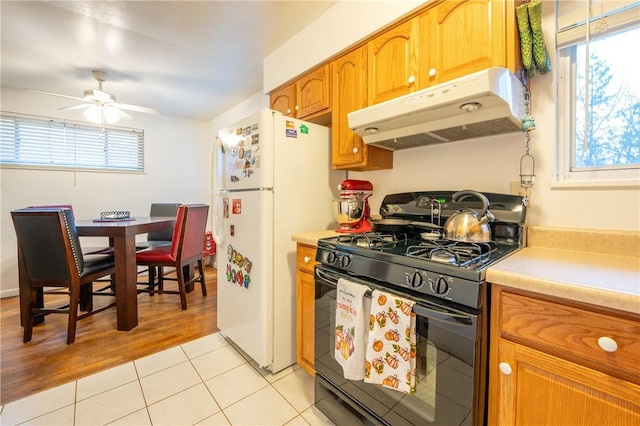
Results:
237 206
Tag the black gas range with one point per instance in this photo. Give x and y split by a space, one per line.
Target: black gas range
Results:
416 258
446 281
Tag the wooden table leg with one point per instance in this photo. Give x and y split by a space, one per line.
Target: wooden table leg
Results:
126 282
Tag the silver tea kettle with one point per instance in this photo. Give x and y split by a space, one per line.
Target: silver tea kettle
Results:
469 225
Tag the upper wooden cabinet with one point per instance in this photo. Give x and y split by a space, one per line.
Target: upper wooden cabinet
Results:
555 363
284 100
349 82
460 37
393 62
307 97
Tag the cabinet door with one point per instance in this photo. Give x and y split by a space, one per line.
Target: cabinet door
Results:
305 311
542 389
349 80
306 321
459 37
349 83
283 100
393 62
313 93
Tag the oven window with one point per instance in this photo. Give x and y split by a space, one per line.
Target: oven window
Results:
444 372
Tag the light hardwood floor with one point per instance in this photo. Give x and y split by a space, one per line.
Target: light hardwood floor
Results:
47 361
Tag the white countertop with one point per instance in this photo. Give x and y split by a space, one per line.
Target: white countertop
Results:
311 238
607 280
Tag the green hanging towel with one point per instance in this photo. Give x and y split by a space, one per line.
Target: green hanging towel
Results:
526 40
540 53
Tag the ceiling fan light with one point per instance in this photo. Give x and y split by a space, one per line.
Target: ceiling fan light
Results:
110 114
100 115
93 114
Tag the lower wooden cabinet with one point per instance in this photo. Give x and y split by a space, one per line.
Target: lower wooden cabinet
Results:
555 363
305 310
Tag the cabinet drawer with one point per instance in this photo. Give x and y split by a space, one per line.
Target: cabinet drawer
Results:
573 333
306 258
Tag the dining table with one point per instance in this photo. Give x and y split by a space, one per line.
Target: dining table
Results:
122 237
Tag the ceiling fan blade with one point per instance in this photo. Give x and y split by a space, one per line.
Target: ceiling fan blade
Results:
123 115
75 107
137 108
56 94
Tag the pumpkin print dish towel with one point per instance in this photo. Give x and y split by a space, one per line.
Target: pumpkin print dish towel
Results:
352 312
391 346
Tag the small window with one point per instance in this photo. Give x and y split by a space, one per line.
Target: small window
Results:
35 142
598 126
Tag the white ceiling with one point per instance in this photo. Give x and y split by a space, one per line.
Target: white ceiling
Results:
189 59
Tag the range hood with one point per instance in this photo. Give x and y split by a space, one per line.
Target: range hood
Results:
489 102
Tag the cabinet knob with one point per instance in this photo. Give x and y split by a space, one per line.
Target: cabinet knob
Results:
505 368
355 150
607 344
432 72
288 111
411 79
297 107
306 259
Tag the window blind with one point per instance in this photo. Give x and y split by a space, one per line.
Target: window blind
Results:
37 142
572 18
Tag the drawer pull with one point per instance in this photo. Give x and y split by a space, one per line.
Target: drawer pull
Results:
607 344
307 259
505 368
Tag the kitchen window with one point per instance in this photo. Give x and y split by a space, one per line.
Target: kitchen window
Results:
36 142
599 131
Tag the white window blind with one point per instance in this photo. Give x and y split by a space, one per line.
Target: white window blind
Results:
36 142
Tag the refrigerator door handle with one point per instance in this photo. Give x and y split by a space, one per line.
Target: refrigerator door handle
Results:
217 166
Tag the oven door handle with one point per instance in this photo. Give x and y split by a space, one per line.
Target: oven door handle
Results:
444 315
447 316
327 276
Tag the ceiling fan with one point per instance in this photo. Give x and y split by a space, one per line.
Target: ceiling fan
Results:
99 106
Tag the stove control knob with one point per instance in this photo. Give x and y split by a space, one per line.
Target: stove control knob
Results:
345 261
331 257
415 280
440 287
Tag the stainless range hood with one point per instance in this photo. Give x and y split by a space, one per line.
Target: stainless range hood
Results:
489 102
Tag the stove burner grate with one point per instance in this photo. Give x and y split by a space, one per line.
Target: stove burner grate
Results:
457 253
374 240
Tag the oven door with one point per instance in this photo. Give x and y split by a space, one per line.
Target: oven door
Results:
450 379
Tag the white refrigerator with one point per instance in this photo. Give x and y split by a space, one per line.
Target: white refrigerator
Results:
272 179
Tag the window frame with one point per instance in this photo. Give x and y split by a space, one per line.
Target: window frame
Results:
70 130
602 177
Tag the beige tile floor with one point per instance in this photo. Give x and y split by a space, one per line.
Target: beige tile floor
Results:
204 382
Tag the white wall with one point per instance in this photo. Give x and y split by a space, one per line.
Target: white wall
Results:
177 163
486 164
346 23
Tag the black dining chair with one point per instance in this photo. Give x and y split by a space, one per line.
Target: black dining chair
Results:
185 250
85 250
51 257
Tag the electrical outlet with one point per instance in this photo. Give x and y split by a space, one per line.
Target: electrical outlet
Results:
516 189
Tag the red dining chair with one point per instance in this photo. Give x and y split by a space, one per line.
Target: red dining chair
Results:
51 257
185 250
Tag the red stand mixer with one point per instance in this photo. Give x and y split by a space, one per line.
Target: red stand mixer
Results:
352 211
